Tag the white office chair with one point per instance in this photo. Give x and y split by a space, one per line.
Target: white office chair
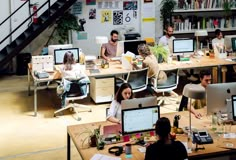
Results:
75 94
170 84
138 79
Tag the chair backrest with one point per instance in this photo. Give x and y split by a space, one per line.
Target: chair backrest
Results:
138 79
77 89
172 81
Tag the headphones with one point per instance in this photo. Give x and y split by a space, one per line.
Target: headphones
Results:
117 150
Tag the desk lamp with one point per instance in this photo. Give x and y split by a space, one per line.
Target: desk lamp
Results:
199 33
101 40
193 91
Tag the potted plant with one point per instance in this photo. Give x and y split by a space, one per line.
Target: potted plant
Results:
65 24
93 138
160 52
166 8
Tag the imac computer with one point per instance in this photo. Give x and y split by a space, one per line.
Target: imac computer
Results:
120 48
51 48
139 102
217 96
183 46
138 120
234 107
132 46
233 40
228 42
59 54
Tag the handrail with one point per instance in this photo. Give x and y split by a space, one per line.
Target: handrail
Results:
14 12
31 15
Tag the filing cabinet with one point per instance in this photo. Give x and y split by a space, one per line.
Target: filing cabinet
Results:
102 89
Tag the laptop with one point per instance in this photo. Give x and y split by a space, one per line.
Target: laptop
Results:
232 114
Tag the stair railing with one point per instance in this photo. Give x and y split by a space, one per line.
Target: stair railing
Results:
30 17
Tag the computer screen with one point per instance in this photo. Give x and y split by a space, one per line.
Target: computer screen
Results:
228 42
216 96
51 48
132 46
120 48
139 102
59 54
137 120
234 106
181 46
233 40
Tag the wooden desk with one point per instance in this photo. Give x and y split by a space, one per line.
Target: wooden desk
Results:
115 68
211 150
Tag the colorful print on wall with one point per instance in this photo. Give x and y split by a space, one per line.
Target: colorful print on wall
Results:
117 17
129 17
77 8
130 5
90 2
147 1
82 35
92 13
106 16
108 4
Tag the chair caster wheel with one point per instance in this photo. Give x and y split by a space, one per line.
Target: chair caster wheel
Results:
78 119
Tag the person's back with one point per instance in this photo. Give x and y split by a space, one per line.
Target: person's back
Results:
162 151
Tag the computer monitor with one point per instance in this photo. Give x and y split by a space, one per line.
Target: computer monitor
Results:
182 46
51 48
228 42
132 46
217 95
234 106
233 41
139 102
59 54
120 48
138 120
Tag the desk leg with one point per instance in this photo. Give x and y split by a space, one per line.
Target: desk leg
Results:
35 99
28 82
219 74
68 146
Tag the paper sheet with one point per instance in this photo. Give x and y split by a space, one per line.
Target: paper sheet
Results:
103 157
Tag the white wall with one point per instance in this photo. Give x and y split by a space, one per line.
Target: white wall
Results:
94 27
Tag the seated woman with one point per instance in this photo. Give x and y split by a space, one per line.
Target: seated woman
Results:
165 148
114 113
72 71
154 72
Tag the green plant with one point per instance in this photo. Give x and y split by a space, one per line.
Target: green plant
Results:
93 137
227 8
166 8
160 52
66 23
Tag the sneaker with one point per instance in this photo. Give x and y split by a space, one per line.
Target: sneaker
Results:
192 78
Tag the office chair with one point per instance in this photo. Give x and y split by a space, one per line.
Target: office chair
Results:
73 94
170 84
138 79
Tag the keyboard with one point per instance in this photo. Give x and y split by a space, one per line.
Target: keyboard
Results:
116 58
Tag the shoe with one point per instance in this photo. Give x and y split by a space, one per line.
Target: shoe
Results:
192 78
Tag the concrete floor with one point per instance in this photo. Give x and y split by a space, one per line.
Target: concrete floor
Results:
25 137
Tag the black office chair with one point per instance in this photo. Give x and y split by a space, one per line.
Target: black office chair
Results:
138 79
170 84
75 93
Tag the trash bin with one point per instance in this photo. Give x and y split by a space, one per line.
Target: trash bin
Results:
22 61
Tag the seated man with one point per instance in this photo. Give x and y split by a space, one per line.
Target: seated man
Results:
108 50
205 78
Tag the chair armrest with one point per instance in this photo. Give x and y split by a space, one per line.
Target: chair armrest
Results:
122 79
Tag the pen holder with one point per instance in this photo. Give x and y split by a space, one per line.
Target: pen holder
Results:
105 64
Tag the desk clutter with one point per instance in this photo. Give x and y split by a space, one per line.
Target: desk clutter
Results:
43 63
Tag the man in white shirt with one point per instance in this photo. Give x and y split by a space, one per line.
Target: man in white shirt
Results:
164 40
219 40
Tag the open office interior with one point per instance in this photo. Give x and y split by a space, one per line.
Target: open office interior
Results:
30 129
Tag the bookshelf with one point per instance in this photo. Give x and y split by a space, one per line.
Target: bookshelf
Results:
203 14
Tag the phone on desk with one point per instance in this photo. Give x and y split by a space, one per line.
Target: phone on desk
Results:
202 137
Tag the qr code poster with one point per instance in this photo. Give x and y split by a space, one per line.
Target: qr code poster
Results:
106 16
117 17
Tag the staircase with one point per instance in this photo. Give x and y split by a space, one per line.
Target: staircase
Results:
34 29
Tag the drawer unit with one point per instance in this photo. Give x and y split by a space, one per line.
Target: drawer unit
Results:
102 89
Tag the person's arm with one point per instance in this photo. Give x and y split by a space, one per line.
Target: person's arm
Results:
103 50
194 112
112 112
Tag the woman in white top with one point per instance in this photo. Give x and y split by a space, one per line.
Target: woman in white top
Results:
219 40
114 113
72 71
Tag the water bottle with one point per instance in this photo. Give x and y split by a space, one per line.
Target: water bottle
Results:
214 122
